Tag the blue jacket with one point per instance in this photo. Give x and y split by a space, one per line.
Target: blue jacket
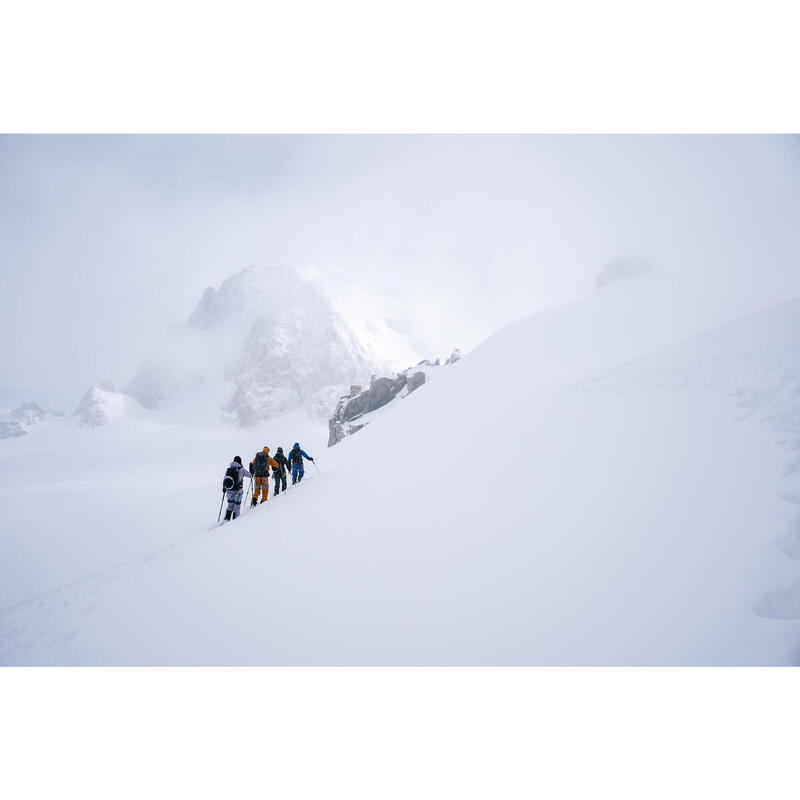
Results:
293 453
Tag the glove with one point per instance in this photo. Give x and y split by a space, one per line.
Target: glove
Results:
310 459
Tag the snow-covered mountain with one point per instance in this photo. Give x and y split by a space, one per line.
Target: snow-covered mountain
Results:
17 422
33 414
100 405
609 482
268 341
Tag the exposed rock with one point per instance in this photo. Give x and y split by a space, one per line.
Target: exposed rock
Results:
9 430
415 381
348 417
350 408
33 413
98 407
381 391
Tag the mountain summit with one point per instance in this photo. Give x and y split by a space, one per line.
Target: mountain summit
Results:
265 342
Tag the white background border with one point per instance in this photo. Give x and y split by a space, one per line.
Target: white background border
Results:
416 66
399 733
398 67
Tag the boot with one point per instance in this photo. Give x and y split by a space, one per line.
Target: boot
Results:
235 515
227 515
254 502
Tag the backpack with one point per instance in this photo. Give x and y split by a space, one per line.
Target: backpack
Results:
231 480
260 464
296 457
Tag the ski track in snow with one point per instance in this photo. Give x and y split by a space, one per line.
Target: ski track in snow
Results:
49 617
52 617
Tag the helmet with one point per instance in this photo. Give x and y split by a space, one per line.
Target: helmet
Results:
279 450
237 459
296 444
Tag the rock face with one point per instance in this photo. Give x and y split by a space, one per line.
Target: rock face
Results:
22 418
453 357
32 414
266 342
98 407
352 409
10 430
415 381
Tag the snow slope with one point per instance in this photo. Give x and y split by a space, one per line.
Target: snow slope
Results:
578 490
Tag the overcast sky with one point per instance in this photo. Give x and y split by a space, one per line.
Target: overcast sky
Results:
107 241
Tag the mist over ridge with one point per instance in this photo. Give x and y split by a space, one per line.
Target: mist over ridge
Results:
113 239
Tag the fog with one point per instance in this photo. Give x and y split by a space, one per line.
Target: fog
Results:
107 242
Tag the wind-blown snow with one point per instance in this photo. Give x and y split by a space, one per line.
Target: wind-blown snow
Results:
580 489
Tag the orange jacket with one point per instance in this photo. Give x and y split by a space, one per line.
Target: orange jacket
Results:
271 462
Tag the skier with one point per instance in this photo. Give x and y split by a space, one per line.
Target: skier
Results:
296 460
279 473
260 467
233 485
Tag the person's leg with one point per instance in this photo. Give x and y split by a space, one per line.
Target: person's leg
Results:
300 473
277 485
234 504
256 491
263 487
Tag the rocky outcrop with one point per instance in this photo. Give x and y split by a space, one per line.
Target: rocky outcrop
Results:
32 414
415 381
353 409
10 430
453 357
99 406
27 415
354 406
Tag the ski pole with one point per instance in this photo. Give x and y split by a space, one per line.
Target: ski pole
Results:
219 516
316 467
249 489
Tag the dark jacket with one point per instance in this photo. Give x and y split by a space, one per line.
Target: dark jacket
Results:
283 464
